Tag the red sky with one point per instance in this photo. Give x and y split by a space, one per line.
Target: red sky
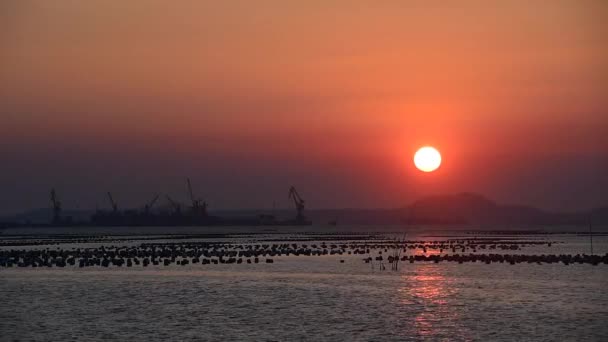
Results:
248 97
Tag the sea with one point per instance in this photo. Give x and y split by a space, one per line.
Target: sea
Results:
330 297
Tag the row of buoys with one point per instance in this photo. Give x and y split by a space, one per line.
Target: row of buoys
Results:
128 262
42 256
223 252
357 243
130 252
134 256
37 240
365 247
512 259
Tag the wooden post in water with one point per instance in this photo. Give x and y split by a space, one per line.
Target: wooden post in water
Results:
397 254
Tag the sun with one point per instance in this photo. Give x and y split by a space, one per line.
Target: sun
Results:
427 159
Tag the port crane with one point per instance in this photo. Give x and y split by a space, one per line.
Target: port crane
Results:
113 203
298 201
56 206
198 205
150 204
177 207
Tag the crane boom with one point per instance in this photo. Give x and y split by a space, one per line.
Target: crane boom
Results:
176 206
112 202
56 206
298 202
198 207
153 201
171 201
190 191
150 204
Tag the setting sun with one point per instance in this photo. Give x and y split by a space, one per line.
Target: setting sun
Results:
427 159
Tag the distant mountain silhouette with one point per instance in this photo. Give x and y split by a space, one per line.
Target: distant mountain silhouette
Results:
475 209
462 208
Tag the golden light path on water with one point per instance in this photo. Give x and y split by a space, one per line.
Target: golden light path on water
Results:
430 290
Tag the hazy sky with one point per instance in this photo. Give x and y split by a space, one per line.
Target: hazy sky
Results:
249 97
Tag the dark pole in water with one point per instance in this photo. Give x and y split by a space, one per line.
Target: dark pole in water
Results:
590 235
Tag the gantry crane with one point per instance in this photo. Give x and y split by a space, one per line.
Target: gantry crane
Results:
113 203
150 204
298 201
177 207
198 205
56 207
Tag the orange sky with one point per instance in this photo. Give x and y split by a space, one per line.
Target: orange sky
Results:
247 97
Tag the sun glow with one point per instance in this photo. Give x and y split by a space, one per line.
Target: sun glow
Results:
427 159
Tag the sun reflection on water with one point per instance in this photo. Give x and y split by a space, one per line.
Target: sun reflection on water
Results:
433 297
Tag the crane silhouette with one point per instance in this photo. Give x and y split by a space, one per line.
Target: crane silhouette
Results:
150 204
298 202
113 203
56 207
177 207
198 205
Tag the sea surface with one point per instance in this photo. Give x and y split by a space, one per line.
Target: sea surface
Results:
305 298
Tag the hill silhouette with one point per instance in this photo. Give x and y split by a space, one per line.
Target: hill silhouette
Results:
464 208
475 209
